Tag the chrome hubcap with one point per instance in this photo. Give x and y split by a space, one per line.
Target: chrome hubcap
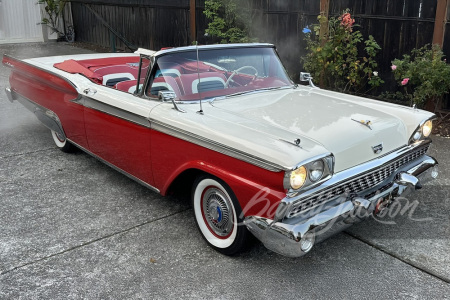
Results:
59 137
216 208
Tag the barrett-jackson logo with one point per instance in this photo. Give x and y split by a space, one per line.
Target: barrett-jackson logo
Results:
377 148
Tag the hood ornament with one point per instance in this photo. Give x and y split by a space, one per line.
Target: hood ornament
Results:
377 148
364 122
296 142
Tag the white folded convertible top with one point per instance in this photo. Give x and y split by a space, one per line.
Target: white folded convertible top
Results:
144 51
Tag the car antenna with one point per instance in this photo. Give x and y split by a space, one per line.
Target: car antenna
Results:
198 74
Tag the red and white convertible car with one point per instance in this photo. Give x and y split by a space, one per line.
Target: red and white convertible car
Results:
291 164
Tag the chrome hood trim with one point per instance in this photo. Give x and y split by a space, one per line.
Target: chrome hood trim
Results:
215 146
253 142
257 127
348 130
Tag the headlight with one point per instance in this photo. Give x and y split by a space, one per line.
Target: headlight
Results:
423 131
316 170
426 128
298 178
309 173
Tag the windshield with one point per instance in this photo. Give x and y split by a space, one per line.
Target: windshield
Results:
218 72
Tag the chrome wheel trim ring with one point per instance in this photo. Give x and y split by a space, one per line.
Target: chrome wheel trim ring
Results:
60 137
213 239
216 212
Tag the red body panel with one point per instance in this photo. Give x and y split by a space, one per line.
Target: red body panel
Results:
258 190
153 157
52 92
127 146
122 143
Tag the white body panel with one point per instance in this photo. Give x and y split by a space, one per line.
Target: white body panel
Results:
103 94
265 124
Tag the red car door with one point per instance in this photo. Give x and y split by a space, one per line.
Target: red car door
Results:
118 130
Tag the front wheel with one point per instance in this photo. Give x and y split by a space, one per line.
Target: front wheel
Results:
218 215
62 143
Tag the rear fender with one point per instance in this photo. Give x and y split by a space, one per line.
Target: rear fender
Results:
29 71
49 96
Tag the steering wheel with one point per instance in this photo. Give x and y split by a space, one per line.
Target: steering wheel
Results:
230 79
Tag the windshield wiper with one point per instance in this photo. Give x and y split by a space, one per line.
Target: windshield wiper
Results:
260 90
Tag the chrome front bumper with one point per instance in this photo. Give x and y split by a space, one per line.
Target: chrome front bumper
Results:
296 236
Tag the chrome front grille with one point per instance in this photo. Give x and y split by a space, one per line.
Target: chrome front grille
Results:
358 184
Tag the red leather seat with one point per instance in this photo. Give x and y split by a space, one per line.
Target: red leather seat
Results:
128 86
114 74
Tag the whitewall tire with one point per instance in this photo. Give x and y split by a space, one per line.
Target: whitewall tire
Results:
62 143
218 215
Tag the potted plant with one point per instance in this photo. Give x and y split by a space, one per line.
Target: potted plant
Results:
51 14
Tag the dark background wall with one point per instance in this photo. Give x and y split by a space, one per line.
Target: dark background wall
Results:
397 25
148 24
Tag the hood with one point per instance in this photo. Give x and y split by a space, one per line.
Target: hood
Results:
266 124
332 122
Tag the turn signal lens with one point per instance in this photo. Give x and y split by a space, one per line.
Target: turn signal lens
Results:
298 177
435 172
307 242
417 135
426 128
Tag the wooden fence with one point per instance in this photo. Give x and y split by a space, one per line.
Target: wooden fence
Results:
143 23
397 25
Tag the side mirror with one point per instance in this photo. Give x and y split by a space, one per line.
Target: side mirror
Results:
166 95
170 96
307 77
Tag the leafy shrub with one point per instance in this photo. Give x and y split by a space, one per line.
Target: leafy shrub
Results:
53 9
333 58
422 75
230 21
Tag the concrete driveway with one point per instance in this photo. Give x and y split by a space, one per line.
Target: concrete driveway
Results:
71 227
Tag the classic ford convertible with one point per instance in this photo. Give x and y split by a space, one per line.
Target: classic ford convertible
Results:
291 164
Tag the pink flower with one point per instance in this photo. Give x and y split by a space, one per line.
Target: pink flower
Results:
347 21
405 81
393 67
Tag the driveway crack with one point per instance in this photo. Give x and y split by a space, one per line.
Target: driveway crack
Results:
407 261
93 241
25 153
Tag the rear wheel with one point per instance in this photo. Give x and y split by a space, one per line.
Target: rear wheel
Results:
218 215
62 143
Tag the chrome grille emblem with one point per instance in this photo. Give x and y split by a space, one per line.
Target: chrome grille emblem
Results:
377 148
